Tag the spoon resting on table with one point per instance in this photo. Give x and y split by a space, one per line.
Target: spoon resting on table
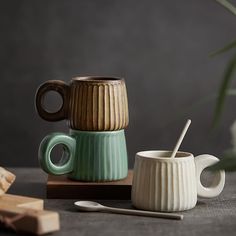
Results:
94 206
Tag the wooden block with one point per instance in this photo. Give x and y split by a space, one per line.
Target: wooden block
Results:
6 180
62 187
21 201
29 220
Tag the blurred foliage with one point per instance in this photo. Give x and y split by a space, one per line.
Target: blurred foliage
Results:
228 162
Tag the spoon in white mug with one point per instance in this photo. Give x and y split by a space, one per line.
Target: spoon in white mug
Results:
94 206
177 145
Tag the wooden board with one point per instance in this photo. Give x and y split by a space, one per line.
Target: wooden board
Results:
61 187
21 201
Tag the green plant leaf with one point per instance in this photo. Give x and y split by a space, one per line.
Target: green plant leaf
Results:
224 49
223 90
229 6
231 92
227 163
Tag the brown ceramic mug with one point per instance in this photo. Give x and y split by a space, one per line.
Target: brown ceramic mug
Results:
89 103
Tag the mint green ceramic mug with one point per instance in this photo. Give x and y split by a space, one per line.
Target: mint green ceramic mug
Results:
91 156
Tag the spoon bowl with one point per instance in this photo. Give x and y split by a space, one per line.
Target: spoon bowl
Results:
88 206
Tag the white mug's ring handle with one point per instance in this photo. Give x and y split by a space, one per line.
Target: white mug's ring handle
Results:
201 162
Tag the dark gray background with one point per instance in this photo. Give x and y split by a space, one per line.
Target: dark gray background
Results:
160 47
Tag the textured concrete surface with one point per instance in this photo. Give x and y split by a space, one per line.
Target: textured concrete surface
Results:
210 217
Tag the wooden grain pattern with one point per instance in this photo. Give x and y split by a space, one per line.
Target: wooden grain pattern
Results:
89 103
21 201
6 180
61 187
26 214
32 221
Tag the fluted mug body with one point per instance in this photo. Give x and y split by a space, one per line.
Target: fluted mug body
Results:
161 183
88 155
90 103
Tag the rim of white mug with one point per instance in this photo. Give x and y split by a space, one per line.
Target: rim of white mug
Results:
149 155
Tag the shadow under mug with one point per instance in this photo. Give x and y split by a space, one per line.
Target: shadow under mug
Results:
89 103
161 183
88 156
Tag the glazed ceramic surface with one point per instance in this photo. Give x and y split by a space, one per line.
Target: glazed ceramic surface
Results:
162 183
89 103
88 156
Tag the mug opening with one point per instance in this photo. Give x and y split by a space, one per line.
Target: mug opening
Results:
98 79
153 154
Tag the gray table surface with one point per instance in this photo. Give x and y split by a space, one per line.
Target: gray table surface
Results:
210 217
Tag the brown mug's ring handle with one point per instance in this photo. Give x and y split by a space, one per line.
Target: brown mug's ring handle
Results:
59 87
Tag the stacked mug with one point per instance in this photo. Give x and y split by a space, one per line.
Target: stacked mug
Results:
96 109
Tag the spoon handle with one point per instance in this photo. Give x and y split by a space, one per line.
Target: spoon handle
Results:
181 138
143 213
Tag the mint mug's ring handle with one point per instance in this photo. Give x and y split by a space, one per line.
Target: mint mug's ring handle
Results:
52 85
45 149
202 162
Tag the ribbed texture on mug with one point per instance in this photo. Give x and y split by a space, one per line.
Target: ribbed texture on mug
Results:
164 186
98 106
101 157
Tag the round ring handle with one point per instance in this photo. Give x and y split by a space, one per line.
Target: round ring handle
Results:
52 85
45 149
201 162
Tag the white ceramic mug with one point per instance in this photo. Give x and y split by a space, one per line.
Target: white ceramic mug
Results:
161 183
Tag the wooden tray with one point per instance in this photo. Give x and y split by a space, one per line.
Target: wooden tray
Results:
61 187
